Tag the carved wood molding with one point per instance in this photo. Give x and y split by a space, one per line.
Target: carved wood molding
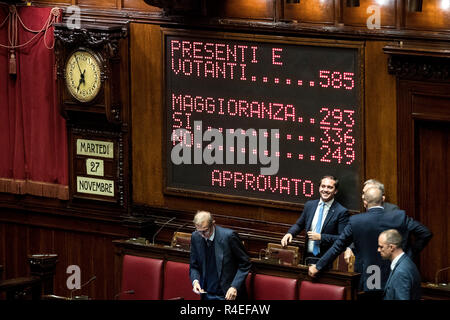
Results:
419 62
212 17
92 35
193 7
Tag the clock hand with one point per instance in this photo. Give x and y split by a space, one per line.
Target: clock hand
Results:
81 79
76 59
79 83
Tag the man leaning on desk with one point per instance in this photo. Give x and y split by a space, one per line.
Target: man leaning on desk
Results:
219 263
323 219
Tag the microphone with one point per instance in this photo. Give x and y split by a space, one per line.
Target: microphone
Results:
437 273
159 230
123 292
87 282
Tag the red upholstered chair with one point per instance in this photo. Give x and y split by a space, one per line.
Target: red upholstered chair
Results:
274 288
249 285
143 277
177 283
320 291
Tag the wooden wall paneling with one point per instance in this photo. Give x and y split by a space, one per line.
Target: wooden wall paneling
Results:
107 4
357 16
55 2
409 92
40 240
146 104
251 9
61 248
75 243
313 11
85 248
74 252
423 122
2 250
103 255
16 241
138 5
380 120
432 17
433 193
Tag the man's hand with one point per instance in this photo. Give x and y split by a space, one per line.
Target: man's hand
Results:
286 239
231 294
197 288
314 236
312 271
348 254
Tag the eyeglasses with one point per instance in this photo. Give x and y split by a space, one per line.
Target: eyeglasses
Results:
204 231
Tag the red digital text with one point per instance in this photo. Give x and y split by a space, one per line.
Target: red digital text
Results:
237 180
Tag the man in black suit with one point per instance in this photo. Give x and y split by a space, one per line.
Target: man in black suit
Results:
323 219
404 280
219 263
363 230
388 207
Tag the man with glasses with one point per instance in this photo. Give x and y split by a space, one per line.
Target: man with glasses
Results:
219 263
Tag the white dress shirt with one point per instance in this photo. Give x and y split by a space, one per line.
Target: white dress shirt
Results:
394 262
326 208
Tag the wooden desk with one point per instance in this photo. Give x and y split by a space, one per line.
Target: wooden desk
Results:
433 292
349 280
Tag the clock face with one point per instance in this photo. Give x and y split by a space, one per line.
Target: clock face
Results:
83 76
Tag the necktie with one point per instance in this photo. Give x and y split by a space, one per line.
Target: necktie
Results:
316 246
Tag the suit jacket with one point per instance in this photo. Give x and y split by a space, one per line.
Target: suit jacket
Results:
334 224
363 230
404 281
388 207
232 261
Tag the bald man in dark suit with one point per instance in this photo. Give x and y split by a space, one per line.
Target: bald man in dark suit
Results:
363 230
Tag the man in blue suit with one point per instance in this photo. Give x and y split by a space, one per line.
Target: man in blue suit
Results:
388 207
404 280
323 219
219 263
363 230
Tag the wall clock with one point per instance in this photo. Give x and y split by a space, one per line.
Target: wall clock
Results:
83 75
92 71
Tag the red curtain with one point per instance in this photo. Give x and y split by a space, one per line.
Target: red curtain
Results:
33 139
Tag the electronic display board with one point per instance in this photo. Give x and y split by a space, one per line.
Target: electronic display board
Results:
262 119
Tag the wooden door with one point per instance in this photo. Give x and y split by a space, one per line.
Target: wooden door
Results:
433 150
423 167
